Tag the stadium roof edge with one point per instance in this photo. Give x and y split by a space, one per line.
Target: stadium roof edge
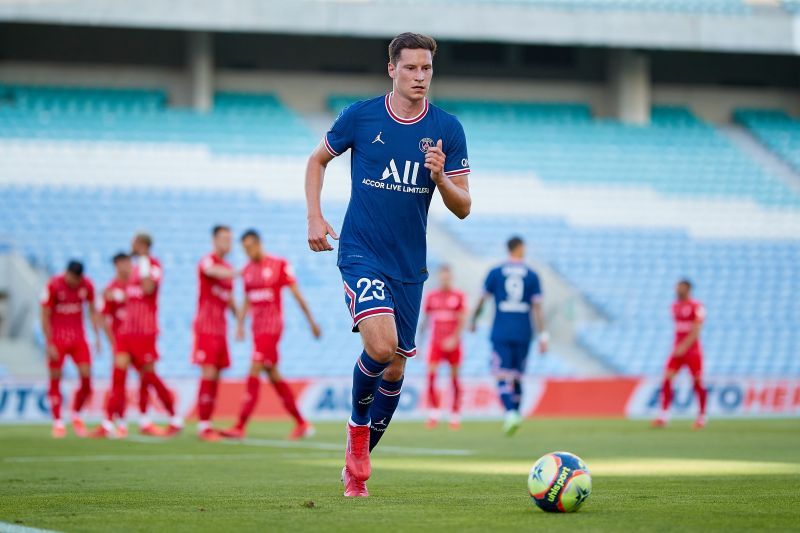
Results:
762 30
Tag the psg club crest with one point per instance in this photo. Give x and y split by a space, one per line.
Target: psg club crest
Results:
424 144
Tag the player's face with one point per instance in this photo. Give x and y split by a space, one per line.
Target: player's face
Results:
138 247
682 291
252 247
123 267
222 242
445 278
412 74
71 279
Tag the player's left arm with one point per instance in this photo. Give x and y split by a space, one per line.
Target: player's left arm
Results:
455 189
315 329
473 325
149 274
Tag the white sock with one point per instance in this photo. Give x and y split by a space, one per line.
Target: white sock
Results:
435 414
176 421
145 421
108 425
203 425
58 423
356 425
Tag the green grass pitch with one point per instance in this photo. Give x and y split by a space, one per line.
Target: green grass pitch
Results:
735 475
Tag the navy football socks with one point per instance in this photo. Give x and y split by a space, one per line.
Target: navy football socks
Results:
367 375
386 401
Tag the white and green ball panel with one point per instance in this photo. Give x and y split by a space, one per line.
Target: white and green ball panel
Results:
559 482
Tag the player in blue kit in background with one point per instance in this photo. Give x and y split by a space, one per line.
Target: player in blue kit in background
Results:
517 297
402 149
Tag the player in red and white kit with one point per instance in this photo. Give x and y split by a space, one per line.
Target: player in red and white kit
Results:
689 315
215 298
136 341
445 308
264 278
113 311
62 324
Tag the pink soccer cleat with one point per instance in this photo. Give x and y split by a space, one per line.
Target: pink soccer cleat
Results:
431 423
209 435
172 430
122 431
302 431
356 455
235 432
700 423
352 487
659 423
59 431
152 430
79 428
100 432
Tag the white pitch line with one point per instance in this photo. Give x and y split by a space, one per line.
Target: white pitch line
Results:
5 527
156 457
331 446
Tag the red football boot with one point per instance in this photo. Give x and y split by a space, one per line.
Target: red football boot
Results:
352 487
302 431
79 428
356 455
209 435
59 431
235 432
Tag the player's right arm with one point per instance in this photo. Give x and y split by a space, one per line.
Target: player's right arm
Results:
220 272
149 275
318 227
241 314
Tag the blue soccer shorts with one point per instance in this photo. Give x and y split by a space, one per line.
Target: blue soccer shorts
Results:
368 293
509 358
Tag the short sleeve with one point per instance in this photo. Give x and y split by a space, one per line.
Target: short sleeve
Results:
462 302
536 288
287 275
488 285
206 263
339 138
457 160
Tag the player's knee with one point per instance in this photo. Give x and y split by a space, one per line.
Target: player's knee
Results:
382 350
395 371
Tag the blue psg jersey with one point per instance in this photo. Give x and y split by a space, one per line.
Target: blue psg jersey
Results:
514 287
391 190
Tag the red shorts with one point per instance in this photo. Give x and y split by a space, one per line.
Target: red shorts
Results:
693 360
265 349
437 355
78 350
141 348
211 350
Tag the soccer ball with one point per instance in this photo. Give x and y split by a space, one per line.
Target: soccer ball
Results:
559 482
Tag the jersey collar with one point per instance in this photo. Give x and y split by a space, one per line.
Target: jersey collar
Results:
404 121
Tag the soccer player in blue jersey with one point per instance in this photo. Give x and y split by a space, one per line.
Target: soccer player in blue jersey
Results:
402 150
517 297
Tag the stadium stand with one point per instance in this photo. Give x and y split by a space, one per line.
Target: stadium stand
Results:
625 273
776 130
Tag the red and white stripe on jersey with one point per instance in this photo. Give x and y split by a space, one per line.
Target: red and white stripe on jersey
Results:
329 148
457 172
399 119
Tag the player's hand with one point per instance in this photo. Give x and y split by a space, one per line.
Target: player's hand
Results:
240 332
434 161
315 330
544 346
318 231
52 351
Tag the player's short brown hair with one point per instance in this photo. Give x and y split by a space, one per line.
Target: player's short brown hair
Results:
412 41
144 238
